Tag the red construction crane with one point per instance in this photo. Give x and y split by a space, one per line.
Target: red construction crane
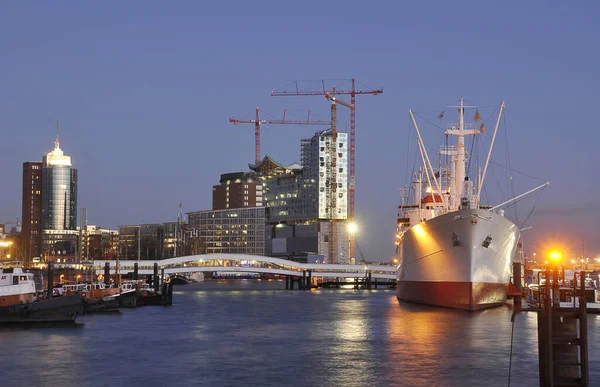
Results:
353 93
257 122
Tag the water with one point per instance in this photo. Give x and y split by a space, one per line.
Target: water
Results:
255 333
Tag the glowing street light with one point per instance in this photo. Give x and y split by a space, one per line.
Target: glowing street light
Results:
352 228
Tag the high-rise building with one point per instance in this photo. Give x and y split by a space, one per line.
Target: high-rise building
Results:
32 210
237 190
317 165
59 234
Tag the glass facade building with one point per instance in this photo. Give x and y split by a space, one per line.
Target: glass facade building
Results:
59 198
59 237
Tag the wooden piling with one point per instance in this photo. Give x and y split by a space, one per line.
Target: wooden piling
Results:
50 279
106 273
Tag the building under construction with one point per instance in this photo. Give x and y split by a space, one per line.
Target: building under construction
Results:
298 200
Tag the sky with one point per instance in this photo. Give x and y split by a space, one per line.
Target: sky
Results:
143 91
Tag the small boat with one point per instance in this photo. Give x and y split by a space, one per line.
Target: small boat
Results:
19 302
97 296
180 280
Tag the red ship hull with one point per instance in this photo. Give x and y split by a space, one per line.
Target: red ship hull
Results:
461 295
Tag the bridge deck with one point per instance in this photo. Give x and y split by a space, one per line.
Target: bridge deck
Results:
246 264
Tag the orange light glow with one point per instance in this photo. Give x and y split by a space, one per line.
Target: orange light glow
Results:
555 255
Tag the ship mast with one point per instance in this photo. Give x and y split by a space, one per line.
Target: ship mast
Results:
460 155
457 183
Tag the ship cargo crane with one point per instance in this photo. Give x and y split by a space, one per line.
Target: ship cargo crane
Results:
352 168
257 122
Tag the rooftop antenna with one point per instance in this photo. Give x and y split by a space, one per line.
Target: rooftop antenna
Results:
57 142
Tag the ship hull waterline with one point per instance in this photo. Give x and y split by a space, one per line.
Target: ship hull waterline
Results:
446 261
53 310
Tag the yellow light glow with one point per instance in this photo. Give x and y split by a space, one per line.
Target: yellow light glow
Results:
352 227
555 255
419 231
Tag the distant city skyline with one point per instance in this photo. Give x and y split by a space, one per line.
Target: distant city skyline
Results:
144 96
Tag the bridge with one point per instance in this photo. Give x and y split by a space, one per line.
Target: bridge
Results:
243 263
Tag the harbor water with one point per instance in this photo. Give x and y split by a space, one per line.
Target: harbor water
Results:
247 332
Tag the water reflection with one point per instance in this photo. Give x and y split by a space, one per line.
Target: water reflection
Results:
221 334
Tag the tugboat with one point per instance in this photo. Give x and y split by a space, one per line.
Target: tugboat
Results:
19 304
97 296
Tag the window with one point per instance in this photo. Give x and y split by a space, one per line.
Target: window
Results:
341 145
341 170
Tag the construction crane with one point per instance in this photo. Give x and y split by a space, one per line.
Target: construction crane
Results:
352 168
257 122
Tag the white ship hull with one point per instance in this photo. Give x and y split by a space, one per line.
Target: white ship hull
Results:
433 270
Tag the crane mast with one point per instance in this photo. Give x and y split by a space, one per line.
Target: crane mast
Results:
332 188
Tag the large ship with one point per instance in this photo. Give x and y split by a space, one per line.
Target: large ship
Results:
452 251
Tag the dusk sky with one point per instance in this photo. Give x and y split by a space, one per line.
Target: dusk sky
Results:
143 91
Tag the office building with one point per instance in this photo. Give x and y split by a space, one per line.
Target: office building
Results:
233 231
129 242
237 190
59 237
98 243
32 210
153 241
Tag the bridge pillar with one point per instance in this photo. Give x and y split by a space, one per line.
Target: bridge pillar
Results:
106 273
287 282
162 277
292 283
309 279
303 283
369 280
136 271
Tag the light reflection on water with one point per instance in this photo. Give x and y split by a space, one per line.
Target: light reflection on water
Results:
250 333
